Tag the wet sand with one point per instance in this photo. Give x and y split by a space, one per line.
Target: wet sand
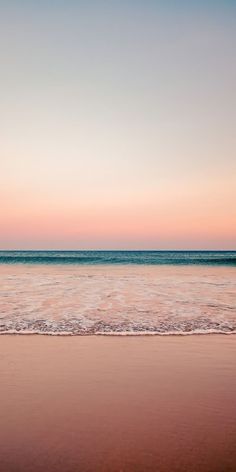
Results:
70 404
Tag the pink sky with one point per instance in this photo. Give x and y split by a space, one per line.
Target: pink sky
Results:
118 127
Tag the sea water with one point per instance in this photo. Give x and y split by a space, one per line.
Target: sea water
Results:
118 292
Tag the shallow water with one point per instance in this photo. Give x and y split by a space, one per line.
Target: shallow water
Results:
76 299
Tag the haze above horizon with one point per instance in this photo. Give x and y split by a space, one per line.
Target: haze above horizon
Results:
118 125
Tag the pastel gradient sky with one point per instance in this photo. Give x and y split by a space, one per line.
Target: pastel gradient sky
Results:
118 124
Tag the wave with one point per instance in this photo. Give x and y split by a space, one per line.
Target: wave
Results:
76 327
226 258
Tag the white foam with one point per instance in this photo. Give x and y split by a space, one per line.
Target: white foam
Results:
117 301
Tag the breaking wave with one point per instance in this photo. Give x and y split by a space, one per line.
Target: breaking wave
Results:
76 327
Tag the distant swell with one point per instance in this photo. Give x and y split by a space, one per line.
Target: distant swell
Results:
227 258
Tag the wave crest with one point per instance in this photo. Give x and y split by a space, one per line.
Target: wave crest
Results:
77 327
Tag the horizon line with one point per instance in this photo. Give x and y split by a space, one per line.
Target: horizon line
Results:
117 250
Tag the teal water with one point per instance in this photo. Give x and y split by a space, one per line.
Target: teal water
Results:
120 257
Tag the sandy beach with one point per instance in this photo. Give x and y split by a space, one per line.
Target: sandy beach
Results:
100 403
118 236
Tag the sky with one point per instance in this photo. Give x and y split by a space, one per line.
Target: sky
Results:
117 124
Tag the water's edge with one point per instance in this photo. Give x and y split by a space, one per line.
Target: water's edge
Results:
117 335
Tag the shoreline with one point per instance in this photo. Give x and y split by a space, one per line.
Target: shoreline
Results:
118 334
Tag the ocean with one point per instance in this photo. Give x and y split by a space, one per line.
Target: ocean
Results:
120 257
117 292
